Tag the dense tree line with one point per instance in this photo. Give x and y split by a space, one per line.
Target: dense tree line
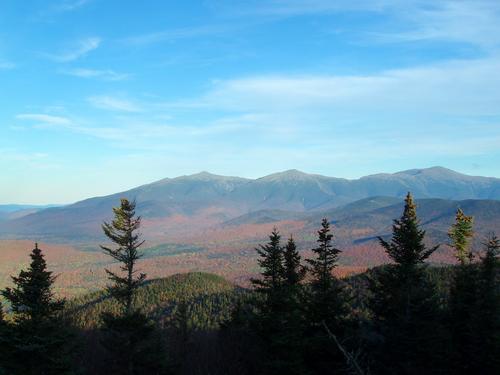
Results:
299 318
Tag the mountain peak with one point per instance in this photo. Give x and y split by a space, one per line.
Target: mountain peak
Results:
436 171
290 174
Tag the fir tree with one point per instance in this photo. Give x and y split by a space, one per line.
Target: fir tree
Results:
404 305
274 323
460 234
271 263
326 304
130 337
123 232
294 272
4 340
463 295
407 248
487 327
38 342
327 300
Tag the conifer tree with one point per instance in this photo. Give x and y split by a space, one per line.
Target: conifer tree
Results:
326 305
274 323
404 305
487 328
460 234
463 295
4 340
327 302
271 263
130 337
123 232
38 342
294 272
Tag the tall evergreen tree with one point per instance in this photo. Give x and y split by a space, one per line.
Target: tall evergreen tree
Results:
404 305
460 234
39 343
123 232
271 263
275 324
487 327
463 295
130 337
294 272
4 340
326 304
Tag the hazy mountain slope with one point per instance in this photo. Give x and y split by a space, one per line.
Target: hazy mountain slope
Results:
436 216
207 200
15 211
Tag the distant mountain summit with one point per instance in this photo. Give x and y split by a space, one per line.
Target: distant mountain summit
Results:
211 199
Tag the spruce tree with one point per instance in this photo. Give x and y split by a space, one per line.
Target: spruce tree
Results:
327 304
295 324
4 340
38 342
123 232
274 323
487 320
460 234
463 295
271 263
327 300
403 303
129 337
294 272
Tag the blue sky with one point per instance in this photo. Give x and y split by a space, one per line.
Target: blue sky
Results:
98 96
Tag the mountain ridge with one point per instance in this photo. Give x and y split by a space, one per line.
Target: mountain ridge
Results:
209 200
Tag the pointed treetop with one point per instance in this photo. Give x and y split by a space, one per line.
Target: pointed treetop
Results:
410 210
407 246
460 234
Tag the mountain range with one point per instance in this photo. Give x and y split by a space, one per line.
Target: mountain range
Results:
211 223
210 201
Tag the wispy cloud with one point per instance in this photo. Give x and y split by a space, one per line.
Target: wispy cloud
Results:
468 87
175 34
112 103
467 21
107 75
70 5
476 22
44 118
82 48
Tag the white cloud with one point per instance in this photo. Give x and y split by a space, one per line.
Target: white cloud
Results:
175 34
475 22
467 87
83 47
469 21
111 103
44 118
70 5
107 75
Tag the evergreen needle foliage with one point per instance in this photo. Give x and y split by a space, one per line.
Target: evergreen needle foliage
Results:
404 304
460 234
326 303
294 272
463 294
129 338
123 232
38 342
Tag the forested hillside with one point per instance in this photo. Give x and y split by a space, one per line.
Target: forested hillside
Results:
297 316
